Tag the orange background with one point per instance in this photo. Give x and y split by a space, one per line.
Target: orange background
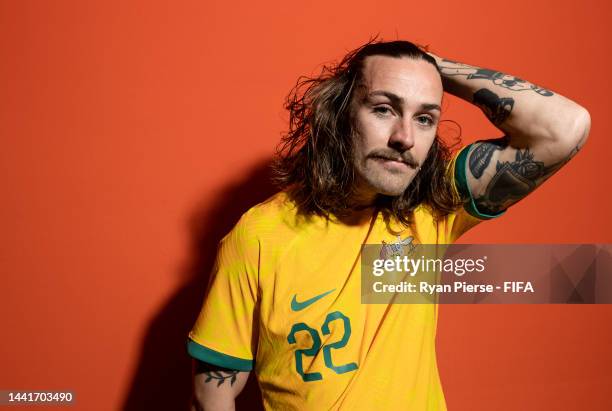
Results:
135 133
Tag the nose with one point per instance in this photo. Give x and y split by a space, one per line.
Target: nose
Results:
402 135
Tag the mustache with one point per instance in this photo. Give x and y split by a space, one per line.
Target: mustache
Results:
405 157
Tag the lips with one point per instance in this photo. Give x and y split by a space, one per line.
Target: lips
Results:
399 160
392 160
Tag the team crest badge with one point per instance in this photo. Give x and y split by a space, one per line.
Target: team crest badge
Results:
398 248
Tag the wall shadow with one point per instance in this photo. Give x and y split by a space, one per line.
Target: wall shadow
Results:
163 377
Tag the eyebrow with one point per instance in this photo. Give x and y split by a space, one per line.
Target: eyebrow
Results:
399 101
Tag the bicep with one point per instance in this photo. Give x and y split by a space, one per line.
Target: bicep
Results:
500 174
216 388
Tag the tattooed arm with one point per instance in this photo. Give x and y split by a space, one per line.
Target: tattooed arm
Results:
543 130
216 388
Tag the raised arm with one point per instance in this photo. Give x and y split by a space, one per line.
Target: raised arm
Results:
216 388
542 131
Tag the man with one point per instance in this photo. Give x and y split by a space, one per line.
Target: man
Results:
362 163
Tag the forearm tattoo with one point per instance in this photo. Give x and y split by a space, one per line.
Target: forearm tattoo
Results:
512 180
497 109
216 374
498 78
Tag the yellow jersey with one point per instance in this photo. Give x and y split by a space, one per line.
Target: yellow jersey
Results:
285 301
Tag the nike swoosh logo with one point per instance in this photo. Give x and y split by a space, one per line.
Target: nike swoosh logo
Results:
298 306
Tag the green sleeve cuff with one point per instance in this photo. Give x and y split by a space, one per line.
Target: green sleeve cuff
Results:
464 191
216 358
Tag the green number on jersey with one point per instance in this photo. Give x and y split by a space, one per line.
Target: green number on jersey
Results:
311 352
316 346
338 369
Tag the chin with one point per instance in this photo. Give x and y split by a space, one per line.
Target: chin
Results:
392 187
389 181
391 192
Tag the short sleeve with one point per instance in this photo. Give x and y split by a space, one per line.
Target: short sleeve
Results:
468 216
224 333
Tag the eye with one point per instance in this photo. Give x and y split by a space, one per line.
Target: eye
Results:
382 111
425 120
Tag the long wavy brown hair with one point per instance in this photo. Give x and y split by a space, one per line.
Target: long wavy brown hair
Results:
314 160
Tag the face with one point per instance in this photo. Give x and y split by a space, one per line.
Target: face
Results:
396 111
